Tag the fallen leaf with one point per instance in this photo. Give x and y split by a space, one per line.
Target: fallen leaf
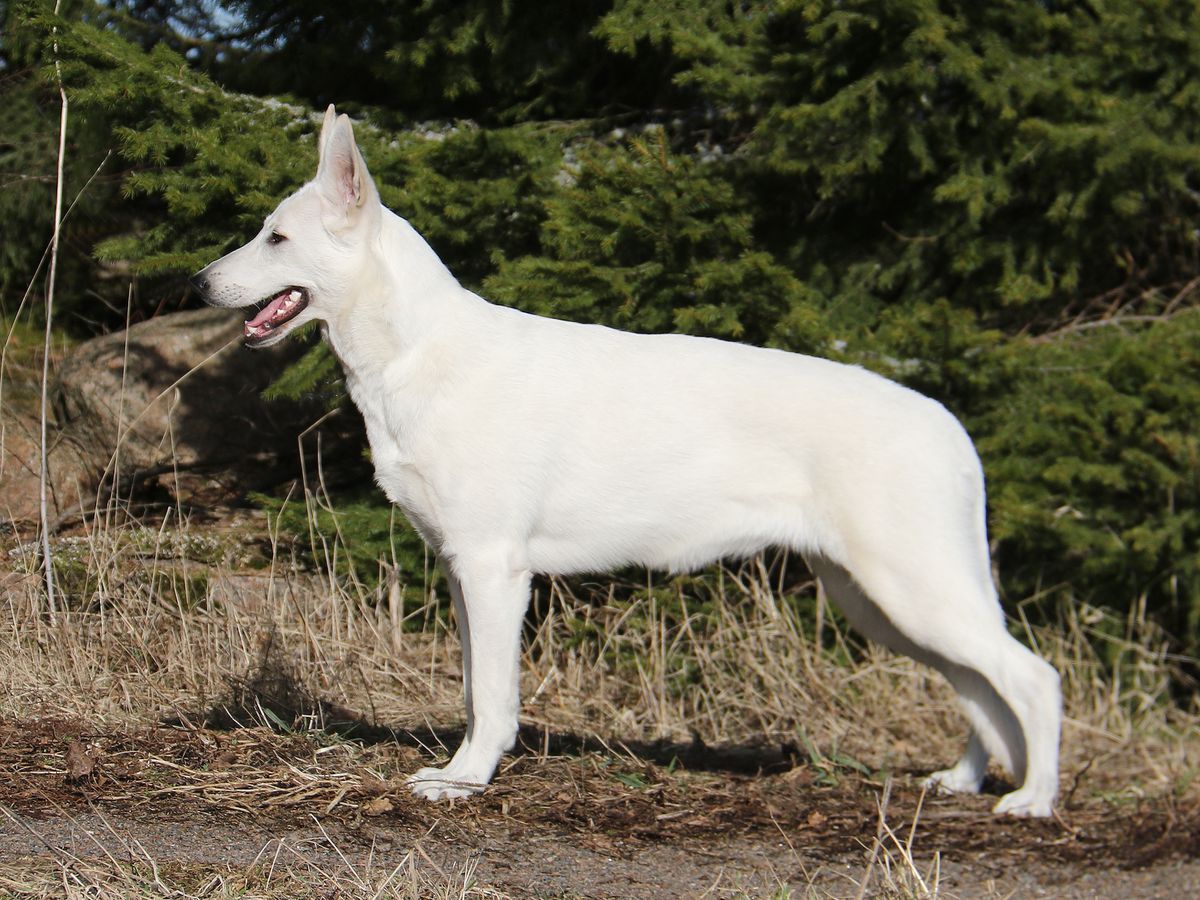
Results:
80 763
223 761
800 775
816 819
374 786
376 806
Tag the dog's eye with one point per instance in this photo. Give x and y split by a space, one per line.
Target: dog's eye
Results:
276 238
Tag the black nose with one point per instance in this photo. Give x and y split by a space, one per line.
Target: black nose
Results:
199 283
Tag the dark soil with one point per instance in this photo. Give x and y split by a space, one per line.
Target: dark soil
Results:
653 822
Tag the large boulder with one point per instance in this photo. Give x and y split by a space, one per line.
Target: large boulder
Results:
174 405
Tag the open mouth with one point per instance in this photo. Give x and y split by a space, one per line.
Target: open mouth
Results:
277 311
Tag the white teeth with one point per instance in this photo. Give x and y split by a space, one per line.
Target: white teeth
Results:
294 296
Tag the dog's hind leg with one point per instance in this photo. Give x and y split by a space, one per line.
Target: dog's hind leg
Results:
490 600
966 775
1010 695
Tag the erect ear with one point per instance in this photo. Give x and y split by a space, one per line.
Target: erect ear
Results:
342 175
326 131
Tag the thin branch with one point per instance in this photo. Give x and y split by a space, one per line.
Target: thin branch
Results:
44 481
1077 327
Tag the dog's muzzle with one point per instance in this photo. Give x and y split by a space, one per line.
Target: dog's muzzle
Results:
201 285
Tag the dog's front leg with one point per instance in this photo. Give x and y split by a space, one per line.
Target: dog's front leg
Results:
464 639
490 600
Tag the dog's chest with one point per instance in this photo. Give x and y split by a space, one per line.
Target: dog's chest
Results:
396 467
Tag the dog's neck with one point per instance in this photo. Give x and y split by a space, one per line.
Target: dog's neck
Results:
403 291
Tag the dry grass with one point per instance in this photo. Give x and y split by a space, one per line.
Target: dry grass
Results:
166 625
281 872
169 624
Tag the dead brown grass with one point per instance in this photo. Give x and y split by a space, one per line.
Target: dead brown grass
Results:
117 868
156 635
644 714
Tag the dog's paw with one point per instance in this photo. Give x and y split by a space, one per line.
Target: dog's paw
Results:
953 781
1024 802
441 784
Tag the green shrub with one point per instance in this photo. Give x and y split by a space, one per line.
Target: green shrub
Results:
1094 465
963 196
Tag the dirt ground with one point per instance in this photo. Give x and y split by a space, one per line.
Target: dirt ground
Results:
577 821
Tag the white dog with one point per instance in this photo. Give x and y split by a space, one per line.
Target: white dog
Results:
518 444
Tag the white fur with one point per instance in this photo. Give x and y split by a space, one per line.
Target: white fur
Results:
520 445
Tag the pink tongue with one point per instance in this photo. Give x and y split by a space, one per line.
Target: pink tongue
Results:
268 311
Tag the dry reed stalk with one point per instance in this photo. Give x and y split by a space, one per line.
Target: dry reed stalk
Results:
44 448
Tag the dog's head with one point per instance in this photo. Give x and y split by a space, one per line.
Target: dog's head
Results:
300 266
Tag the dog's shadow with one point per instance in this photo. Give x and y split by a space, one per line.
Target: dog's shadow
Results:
310 715
286 712
749 759
272 694
694 755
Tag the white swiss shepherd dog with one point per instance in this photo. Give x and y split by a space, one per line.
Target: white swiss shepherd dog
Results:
518 444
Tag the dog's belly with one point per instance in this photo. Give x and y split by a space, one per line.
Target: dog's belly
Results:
678 525
554 553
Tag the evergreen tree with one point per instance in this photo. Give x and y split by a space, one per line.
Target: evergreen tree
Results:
1094 465
994 203
651 240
